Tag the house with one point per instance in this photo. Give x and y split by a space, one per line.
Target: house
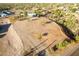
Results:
5 13
31 14
77 11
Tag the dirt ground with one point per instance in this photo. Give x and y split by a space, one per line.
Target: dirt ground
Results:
24 35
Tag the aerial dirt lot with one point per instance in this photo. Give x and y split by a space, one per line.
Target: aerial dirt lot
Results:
22 36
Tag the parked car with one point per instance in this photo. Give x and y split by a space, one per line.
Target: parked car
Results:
5 13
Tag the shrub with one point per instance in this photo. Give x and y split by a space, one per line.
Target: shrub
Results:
63 44
59 46
77 37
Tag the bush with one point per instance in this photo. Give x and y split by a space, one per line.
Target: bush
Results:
73 7
77 37
63 44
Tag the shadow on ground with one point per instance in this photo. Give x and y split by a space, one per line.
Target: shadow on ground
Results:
2 35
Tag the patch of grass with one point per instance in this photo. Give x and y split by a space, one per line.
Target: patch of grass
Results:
77 37
63 44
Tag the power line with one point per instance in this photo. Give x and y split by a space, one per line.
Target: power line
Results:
41 50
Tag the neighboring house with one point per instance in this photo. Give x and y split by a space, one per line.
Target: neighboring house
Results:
77 11
31 14
5 13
